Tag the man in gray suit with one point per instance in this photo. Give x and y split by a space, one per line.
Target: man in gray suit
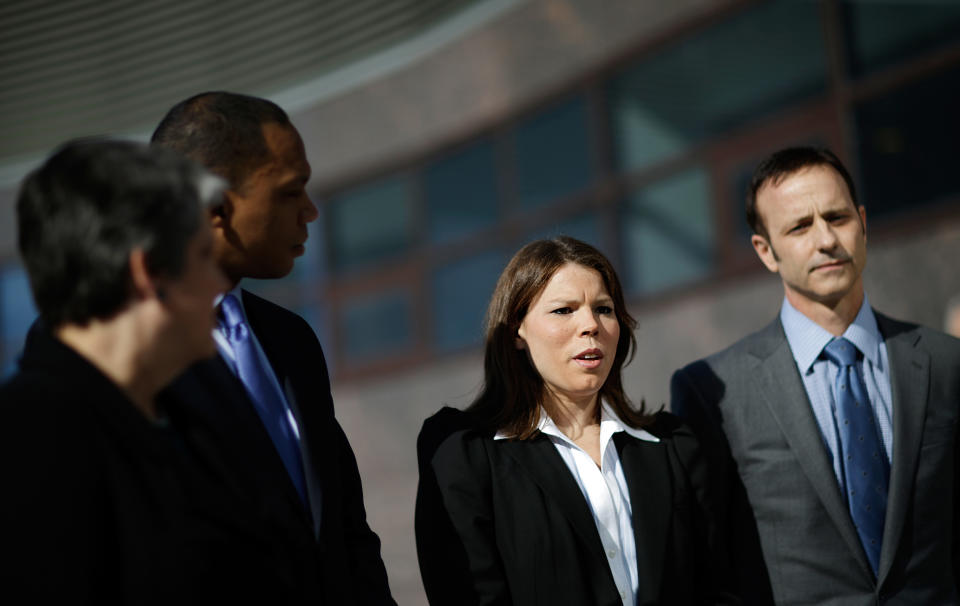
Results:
838 425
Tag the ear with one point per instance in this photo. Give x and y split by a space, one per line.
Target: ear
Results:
520 341
763 249
144 285
221 213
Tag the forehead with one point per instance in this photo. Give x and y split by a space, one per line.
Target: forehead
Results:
811 188
572 279
287 156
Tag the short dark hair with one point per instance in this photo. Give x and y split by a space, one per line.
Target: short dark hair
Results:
783 163
222 131
513 390
88 206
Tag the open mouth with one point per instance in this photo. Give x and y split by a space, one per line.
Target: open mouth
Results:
590 358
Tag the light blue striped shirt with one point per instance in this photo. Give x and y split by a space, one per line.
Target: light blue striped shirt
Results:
807 340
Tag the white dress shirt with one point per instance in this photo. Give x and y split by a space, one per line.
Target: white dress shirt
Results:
605 489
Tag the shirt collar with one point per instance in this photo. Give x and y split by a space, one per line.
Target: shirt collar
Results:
610 424
807 338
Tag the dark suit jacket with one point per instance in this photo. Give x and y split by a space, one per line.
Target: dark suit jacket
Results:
330 546
504 522
102 506
798 544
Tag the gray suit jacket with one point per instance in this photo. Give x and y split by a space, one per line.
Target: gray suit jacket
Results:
794 541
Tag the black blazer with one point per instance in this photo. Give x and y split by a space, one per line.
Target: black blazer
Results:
103 506
504 522
330 546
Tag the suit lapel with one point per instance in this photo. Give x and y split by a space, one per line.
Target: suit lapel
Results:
909 385
645 468
540 459
783 392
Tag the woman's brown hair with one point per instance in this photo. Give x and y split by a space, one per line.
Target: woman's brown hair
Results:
513 391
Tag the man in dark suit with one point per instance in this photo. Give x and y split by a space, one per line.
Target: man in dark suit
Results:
839 423
102 504
262 409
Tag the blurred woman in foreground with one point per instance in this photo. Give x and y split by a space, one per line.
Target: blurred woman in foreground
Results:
551 488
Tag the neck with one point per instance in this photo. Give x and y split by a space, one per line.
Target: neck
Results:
834 317
573 417
121 348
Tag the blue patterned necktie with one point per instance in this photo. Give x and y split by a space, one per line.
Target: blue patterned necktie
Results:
866 470
266 400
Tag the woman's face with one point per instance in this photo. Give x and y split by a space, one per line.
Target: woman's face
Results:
571 333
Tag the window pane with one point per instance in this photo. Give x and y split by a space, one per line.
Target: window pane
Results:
552 154
461 293
376 326
883 33
668 233
749 65
370 222
908 145
17 313
461 192
585 226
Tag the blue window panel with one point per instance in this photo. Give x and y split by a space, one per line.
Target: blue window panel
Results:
461 293
17 313
461 192
907 142
377 326
585 227
552 154
881 34
751 64
371 222
668 233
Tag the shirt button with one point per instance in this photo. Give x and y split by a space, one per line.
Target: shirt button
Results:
611 553
623 595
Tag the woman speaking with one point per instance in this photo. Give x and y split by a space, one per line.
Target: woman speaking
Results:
551 488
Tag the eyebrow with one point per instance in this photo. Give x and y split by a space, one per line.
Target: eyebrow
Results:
561 301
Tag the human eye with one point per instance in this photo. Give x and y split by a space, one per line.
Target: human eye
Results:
561 310
604 309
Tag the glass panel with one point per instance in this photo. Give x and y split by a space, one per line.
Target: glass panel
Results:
376 326
17 313
908 145
552 154
749 65
370 222
883 33
461 293
668 233
461 192
584 227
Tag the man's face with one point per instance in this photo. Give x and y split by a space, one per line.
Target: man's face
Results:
817 238
264 224
189 297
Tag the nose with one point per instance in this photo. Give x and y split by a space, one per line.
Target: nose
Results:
309 213
826 236
590 326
